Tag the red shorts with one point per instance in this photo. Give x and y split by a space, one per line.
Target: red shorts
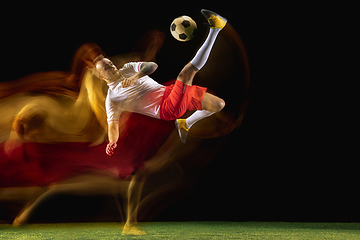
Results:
176 102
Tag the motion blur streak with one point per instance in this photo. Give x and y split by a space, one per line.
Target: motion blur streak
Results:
53 130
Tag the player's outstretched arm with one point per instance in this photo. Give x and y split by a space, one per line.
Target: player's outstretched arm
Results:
113 134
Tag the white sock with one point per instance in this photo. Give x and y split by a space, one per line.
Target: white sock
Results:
197 116
203 53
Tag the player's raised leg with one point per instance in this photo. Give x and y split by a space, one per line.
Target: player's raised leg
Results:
187 74
216 23
210 103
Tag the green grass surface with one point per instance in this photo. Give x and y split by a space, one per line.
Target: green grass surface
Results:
186 230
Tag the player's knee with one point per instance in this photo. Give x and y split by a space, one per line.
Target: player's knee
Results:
180 76
183 76
187 73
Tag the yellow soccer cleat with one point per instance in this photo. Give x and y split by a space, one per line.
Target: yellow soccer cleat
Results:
182 129
215 20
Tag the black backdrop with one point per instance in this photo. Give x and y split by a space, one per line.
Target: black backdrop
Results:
289 161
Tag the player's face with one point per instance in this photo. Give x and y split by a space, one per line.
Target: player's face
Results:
107 69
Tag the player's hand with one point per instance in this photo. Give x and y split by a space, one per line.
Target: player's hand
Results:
110 148
129 81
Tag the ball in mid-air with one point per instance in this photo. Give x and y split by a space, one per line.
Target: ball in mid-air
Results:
183 28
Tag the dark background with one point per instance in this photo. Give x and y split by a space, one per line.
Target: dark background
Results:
290 158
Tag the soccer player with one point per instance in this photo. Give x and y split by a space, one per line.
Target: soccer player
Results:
131 89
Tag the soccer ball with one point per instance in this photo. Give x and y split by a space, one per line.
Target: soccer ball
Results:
183 28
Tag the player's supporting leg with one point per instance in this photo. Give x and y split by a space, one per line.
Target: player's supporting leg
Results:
210 104
134 195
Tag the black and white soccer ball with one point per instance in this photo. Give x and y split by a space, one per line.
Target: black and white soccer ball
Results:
183 28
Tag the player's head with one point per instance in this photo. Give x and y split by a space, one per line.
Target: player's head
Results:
105 69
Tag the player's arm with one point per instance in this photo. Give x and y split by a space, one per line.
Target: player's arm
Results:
146 68
113 135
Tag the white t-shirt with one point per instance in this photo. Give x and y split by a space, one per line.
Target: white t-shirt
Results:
144 96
